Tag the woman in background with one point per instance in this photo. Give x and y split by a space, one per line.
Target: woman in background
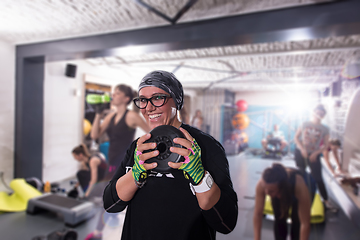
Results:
120 126
92 170
287 188
334 147
198 120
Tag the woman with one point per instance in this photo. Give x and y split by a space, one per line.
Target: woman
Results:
197 121
93 168
288 189
120 126
193 200
334 147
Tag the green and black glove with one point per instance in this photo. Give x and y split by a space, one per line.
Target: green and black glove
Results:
192 167
98 102
139 173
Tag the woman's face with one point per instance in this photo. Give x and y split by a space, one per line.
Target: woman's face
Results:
78 157
118 97
271 189
156 116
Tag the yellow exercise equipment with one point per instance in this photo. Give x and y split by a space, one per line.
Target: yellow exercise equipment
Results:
17 201
317 209
87 127
267 206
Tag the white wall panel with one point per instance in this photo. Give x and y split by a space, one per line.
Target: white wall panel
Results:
64 111
7 111
62 122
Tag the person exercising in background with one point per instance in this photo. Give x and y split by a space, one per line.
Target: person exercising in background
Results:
198 120
93 168
311 140
334 147
184 115
287 188
120 126
276 135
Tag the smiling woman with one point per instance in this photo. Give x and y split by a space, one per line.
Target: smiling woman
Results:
196 192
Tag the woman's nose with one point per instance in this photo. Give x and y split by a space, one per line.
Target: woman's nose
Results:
149 106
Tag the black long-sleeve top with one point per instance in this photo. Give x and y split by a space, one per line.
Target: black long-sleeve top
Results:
166 208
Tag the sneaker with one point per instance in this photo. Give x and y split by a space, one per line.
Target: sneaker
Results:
92 236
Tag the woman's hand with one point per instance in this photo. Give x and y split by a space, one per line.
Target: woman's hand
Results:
192 165
140 166
304 153
313 156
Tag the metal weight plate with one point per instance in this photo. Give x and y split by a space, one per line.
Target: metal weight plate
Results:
163 137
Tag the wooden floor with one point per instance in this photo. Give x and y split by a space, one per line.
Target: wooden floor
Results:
245 170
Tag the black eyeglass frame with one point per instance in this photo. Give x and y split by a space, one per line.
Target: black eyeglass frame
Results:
149 100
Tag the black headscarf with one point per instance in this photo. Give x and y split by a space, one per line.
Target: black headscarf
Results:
167 82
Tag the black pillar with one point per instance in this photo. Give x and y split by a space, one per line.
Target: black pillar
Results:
29 117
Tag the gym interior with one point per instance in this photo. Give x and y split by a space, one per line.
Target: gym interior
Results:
247 69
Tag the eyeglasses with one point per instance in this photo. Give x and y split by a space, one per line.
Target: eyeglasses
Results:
156 101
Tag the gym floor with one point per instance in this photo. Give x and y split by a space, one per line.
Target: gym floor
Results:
245 170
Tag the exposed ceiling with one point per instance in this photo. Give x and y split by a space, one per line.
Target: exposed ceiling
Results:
305 64
26 21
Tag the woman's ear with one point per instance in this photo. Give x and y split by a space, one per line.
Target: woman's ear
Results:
128 99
